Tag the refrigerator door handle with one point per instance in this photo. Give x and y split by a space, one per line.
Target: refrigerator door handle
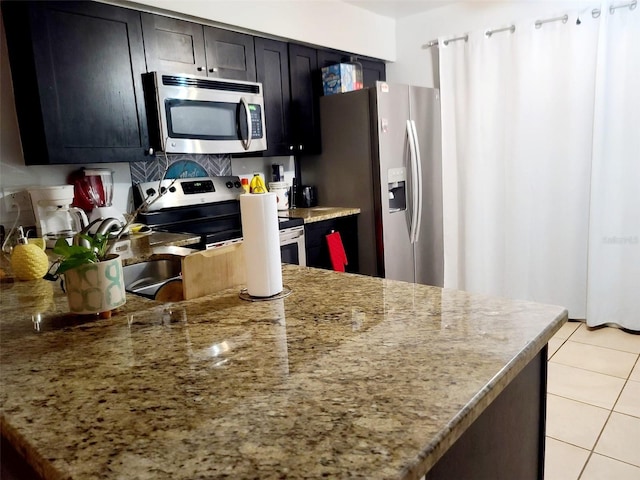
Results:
418 182
414 183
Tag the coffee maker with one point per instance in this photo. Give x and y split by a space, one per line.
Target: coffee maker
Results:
55 217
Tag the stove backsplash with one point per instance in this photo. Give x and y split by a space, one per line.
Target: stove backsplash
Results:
152 170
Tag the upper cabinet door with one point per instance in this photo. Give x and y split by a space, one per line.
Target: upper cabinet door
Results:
272 62
76 69
306 85
372 70
173 45
330 57
229 54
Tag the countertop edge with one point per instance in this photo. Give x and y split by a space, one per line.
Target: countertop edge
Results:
29 455
320 214
479 403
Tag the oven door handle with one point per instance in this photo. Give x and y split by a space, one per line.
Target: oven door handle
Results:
287 236
245 105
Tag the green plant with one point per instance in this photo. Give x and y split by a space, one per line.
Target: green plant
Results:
72 256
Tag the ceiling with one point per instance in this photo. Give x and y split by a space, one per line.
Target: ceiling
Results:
398 8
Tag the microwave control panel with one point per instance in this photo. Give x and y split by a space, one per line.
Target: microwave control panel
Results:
256 121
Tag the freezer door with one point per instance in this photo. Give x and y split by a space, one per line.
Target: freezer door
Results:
428 250
395 168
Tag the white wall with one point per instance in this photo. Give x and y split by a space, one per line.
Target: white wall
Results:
328 23
418 66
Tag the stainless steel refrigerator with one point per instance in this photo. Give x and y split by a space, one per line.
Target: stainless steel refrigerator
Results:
381 152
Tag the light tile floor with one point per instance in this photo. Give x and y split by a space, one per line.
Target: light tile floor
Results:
593 405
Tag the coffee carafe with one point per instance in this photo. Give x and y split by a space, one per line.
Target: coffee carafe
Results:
55 217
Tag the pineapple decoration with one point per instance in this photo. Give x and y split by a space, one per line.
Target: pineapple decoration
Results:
28 261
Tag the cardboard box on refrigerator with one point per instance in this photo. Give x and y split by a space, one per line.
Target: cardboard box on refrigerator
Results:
339 78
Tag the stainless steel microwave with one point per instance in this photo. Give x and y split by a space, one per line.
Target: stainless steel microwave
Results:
192 114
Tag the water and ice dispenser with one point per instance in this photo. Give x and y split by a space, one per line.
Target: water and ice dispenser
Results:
397 180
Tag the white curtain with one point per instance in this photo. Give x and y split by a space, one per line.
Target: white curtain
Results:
614 231
517 120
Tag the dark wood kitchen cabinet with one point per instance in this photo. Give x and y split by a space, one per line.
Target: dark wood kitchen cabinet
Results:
229 54
289 75
76 69
372 70
179 46
306 88
172 45
272 65
316 243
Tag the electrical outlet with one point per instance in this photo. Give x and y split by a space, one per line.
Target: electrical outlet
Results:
18 200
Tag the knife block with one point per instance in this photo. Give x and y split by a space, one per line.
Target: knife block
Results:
210 271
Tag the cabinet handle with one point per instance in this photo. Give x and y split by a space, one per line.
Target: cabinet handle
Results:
150 151
200 69
291 147
213 70
300 148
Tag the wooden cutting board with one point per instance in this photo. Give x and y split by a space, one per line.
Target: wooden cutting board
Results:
170 292
210 271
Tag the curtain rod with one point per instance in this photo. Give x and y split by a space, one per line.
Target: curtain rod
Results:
446 42
631 6
511 29
432 43
562 19
595 13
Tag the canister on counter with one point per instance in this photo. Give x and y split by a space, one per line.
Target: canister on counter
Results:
281 189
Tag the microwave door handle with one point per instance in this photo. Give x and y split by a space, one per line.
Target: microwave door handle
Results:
245 105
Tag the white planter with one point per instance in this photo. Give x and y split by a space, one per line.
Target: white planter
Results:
95 287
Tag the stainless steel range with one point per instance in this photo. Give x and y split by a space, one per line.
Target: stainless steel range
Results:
210 207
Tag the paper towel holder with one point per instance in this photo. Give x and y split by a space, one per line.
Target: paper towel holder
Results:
244 295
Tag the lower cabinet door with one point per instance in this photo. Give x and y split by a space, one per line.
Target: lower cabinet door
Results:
316 242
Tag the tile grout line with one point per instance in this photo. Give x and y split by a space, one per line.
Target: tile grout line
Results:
595 371
605 425
611 410
602 346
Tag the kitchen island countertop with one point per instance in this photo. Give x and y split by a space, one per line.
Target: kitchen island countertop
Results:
349 376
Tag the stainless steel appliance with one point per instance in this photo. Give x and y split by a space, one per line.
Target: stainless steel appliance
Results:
191 114
381 152
210 207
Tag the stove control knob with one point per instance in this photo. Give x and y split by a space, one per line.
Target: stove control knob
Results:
237 185
163 189
229 184
172 189
150 192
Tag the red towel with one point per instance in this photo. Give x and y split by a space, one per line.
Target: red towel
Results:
336 251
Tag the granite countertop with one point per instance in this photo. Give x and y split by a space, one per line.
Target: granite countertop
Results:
349 376
141 247
136 248
318 214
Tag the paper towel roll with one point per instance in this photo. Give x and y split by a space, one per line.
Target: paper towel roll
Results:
261 244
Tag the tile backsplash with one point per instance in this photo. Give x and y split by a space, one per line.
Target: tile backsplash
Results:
153 169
